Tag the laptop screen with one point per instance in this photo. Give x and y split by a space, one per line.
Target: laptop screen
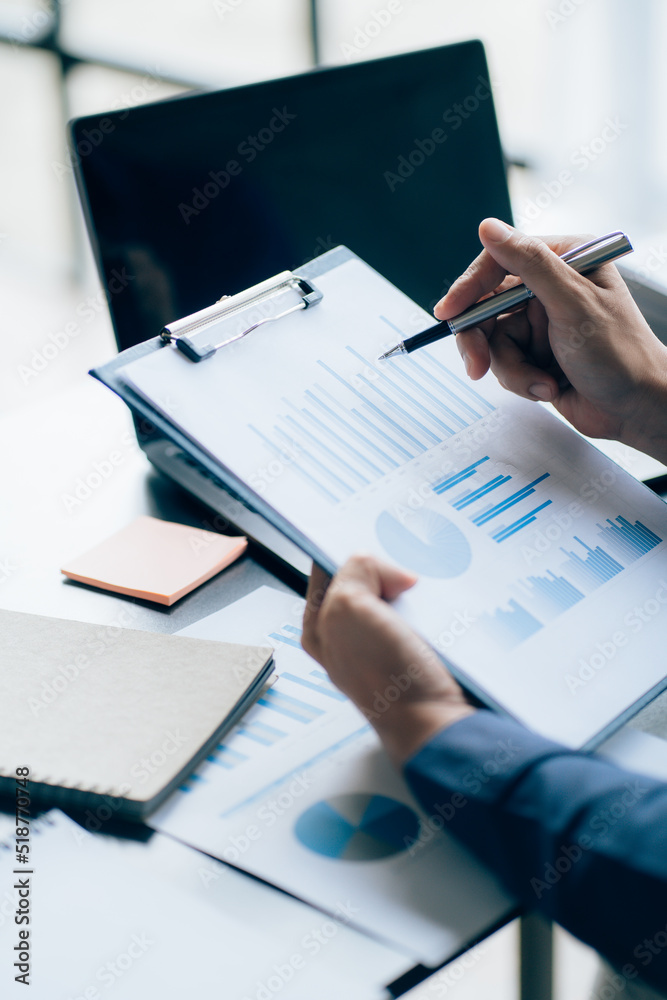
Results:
203 195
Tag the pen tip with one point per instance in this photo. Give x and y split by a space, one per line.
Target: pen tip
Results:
398 349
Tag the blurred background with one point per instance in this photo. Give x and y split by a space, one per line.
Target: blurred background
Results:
580 87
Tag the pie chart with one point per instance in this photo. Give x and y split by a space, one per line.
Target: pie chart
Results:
425 542
357 827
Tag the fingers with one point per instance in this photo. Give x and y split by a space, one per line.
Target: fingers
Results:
507 251
517 373
371 574
474 349
557 286
479 279
363 574
317 588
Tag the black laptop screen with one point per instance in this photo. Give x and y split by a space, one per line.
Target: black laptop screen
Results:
199 196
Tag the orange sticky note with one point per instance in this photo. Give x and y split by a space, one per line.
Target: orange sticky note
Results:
156 560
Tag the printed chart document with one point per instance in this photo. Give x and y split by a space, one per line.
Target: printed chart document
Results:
542 565
301 794
136 920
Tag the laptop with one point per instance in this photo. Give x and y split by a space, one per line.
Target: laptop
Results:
205 194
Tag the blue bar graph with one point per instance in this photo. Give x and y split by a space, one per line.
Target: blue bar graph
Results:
293 639
517 497
542 598
594 569
553 593
259 732
469 498
352 427
503 533
226 757
509 627
322 687
290 707
628 540
458 477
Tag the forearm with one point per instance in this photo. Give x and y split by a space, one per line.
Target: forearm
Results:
567 833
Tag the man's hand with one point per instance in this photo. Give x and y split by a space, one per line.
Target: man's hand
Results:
392 675
581 344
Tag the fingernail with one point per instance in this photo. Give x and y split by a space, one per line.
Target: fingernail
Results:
542 391
466 362
496 230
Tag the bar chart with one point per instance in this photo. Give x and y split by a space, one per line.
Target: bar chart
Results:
301 700
470 498
348 430
538 599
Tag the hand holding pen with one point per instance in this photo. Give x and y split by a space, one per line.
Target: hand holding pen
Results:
580 342
584 259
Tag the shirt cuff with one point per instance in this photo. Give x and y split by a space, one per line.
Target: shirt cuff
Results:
480 757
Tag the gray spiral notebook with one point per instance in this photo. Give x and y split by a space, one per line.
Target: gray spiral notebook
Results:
114 717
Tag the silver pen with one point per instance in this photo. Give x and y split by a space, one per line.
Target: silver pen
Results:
583 259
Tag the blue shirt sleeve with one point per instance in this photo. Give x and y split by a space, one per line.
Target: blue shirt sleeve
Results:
569 834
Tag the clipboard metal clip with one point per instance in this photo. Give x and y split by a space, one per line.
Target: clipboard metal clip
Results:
269 295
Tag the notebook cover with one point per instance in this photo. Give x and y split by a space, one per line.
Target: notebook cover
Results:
114 716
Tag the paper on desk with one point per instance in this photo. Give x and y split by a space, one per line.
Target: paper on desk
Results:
637 751
533 549
137 920
259 805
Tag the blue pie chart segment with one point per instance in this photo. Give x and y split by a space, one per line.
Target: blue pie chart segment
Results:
424 542
357 827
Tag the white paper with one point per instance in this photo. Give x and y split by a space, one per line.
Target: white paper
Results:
298 719
365 455
637 751
130 920
428 898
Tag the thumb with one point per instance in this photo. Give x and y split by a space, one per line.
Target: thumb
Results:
553 281
372 574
